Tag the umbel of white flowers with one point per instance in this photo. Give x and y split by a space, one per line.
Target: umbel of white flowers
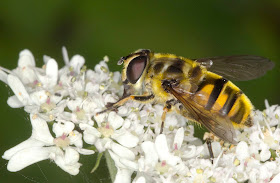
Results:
66 100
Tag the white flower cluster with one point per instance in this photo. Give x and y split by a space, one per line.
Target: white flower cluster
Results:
66 101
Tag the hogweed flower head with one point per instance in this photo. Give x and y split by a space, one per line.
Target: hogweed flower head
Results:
66 101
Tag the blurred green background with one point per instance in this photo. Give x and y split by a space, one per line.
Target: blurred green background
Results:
116 28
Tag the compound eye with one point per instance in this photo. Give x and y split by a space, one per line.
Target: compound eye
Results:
136 68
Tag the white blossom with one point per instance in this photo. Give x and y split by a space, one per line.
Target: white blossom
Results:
66 102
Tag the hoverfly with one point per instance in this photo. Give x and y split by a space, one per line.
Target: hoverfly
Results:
201 88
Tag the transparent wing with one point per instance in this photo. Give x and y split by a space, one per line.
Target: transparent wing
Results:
218 125
238 67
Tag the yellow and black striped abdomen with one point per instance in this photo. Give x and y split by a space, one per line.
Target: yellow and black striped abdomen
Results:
221 97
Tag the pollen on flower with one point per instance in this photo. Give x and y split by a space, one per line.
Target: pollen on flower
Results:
102 87
19 93
34 116
199 171
71 69
162 167
47 106
212 179
231 146
171 128
104 69
83 69
268 139
73 79
72 134
36 83
51 117
48 94
106 58
80 113
106 130
62 141
236 162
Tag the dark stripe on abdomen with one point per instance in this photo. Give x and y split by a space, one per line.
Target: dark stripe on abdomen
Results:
238 116
232 97
218 86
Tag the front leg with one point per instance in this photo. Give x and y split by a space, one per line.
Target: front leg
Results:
138 98
166 109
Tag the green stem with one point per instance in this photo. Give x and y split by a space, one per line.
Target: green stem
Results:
99 156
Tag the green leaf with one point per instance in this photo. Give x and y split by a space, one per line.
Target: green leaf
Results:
111 166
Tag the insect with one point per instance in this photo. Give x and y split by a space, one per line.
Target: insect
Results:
200 88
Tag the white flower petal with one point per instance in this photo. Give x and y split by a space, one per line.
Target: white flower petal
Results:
151 156
192 151
76 139
39 97
98 67
85 151
100 117
123 176
73 104
162 147
276 134
276 179
26 59
27 157
231 180
77 61
52 72
115 120
140 180
131 165
27 144
72 169
90 133
179 137
255 137
71 156
116 159
264 173
18 89
122 151
14 102
242 150
63 128
65 56
3 76
126 139
265 154
40 130
117 77
91 88
163 151
46 58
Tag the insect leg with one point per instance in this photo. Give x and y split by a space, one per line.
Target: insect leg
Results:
166 109
209 145
138 98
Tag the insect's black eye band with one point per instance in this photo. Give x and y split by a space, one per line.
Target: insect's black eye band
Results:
136 68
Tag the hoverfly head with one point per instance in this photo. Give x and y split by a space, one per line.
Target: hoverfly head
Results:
134 70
